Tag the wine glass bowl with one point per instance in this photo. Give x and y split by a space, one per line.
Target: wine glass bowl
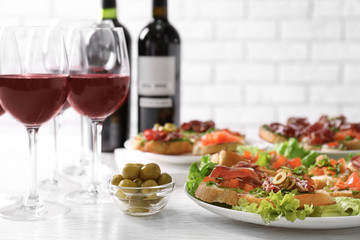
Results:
99 83
47 94
97 95
33 88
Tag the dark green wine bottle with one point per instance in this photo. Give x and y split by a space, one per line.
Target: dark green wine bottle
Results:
158 71
116 127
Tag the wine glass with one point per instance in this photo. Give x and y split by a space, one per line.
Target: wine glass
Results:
33 87
78 172
99 83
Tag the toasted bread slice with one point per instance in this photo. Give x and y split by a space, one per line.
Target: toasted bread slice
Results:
324 180
318 198
253 199
270 137
307 146
345 193
227 158
213 194
329 181
200 149
161 147
353 144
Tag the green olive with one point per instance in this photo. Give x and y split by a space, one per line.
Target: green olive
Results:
150 171
116 179
121 195
153 196
156 127
149 183
156 200
140 165
164 179
279 178
169 127
139 203
138 210
130 171
138 181
128 183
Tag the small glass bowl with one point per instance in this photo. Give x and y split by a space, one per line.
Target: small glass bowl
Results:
141 201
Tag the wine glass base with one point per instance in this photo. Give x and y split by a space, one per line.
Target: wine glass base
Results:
21 212
89 198
6 199
77 174
81 175
49 185
75 171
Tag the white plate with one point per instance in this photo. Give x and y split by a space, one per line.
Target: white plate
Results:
336 154
185 159
307 223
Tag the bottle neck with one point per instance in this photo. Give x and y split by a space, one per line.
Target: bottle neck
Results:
160 9
108 10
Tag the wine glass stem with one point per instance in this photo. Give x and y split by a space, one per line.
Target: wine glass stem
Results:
96 127
33 200
84 131
56 175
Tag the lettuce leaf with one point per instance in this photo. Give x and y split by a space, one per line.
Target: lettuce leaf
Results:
264 157
280 206
351 206
291 149
242 148
345 206
197 173
285 205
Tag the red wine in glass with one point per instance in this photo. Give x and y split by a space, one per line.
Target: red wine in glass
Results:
33 99
97 95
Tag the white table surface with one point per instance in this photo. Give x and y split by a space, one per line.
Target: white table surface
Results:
181 219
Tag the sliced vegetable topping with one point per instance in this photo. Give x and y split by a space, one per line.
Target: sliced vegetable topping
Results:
221 136
352 183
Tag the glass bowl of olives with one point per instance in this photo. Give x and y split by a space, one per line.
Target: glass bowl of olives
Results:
141 190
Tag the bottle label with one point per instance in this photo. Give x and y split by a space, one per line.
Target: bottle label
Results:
156 76
155 102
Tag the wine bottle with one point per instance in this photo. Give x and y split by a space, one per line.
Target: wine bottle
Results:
116 127
158 71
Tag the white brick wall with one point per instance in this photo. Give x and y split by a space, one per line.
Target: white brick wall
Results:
245 62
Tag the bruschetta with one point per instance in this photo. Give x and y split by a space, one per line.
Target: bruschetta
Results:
218 140
327 133
165 139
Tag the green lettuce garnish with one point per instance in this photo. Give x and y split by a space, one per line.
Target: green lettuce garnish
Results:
280 206
291 149
285 205
263 157
345 206
198 173
259 192
242 148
